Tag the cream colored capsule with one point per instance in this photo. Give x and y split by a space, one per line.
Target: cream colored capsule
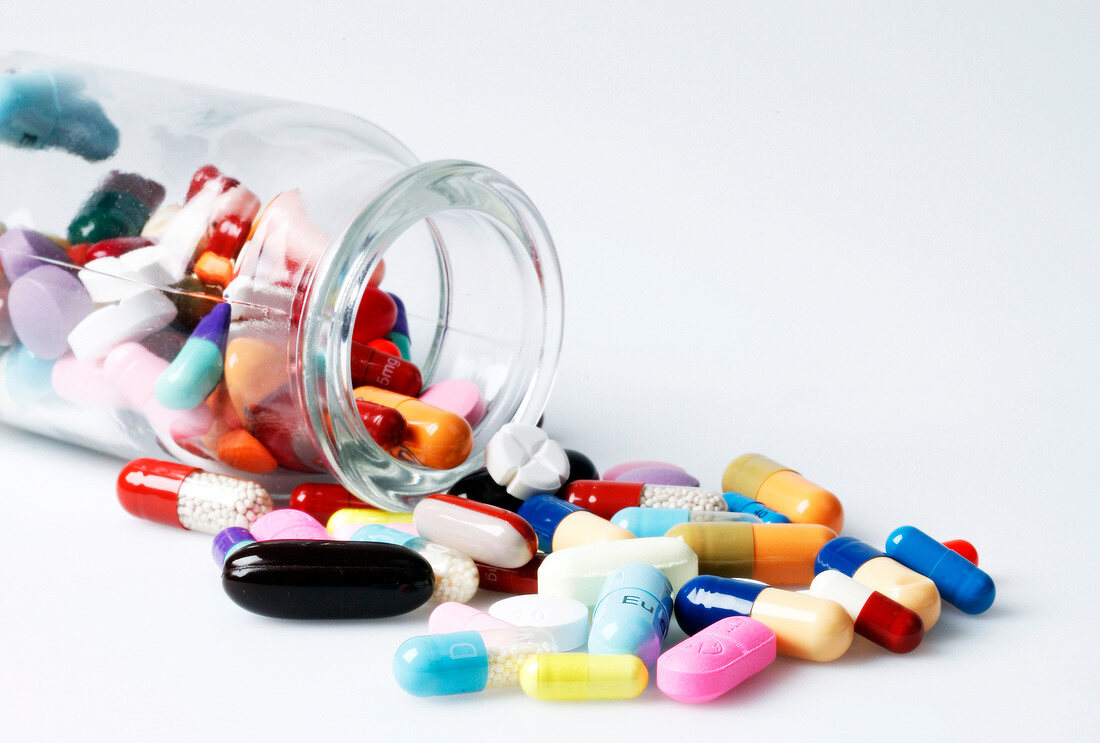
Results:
570 676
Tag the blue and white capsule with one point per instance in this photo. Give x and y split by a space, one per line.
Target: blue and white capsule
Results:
742 504
633 613
959 581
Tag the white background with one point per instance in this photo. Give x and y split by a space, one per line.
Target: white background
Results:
859 239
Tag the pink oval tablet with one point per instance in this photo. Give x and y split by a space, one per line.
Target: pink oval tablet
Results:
288 523
708 664
614 472
459 396
659 476
455 617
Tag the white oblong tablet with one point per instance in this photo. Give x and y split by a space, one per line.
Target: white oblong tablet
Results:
109 280
132 319
579 572
564 618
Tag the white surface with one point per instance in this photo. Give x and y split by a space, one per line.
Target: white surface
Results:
860 241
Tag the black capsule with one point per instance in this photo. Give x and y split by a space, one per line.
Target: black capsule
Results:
320 579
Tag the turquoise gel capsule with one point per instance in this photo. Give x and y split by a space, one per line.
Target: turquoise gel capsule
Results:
199 365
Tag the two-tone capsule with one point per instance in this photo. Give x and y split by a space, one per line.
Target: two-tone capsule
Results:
632 614
781 554
805 626
783 490
874 569
738 503
560 524
876 616
486 533
655 522
959 581
606 498
456 576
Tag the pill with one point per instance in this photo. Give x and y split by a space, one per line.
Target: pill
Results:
964 548
401 341
188 497
228 541
655 522
575 676
521 580
363 514
959 581
524 460
274 423
211 268
7 332
184 234
385 346
316 579
877 617
114 248
459 396
465 662
242 451
738 503
385 425
613 473
134 370
235 202
228 237
874 569
580 467
805 626
454 617
196 371
41 109
156 224
84 383
203 175
254 370
655 475
580 572
375 317
487 534
24 250
606 498
716 659
456 575
783 490
108 279
481 487
133 319
433 437
322 499
118 207
781 554
632 614
401 321
44 305
287 523
560 524
369 366
565 619
26 378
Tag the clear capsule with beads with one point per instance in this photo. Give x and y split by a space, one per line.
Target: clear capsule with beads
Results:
456 576
606 498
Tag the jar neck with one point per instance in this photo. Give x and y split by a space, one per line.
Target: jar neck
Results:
489 295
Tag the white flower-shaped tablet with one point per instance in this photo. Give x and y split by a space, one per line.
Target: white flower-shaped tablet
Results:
522 459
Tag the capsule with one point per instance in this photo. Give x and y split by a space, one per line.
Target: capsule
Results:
188 497
655 522
738 503
487 534
288 523
455 574
314 579
574 676
560 524
119 207
964 548
197 368
364 514
805 626
632 614
606 498
781 554
783 490
385 425
520 581
465 662
877 617
369 366
959 581
434 437
451 617
716 659
580 572
228 541
321 499
875 570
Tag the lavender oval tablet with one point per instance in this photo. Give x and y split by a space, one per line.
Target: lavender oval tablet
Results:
659 476
45 304
23 250
613 472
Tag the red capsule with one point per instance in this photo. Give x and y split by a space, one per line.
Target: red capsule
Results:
964 548
885 622
376 315
78 253
604 497
199 179
385 425
322 499
385 346
374 368
229 236
115 247
511 580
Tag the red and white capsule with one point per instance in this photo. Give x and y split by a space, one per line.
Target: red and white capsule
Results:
877 617
606 498
188 497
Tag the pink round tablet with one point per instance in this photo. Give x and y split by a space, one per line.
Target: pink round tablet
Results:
708 664
458 396
613 473
288 523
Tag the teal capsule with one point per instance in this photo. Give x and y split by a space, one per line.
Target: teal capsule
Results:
404 345
198 367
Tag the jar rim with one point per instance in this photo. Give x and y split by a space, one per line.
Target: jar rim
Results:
414 196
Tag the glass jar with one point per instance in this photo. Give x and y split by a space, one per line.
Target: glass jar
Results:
88 152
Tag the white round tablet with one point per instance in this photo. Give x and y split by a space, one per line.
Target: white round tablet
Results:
564 618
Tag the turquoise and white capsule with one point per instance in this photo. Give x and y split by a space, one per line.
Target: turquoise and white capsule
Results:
655 522
198 367
456 576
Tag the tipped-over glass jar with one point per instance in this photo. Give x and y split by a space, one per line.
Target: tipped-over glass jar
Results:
200 273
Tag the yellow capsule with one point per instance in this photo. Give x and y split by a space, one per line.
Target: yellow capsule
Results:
360 516
583 676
